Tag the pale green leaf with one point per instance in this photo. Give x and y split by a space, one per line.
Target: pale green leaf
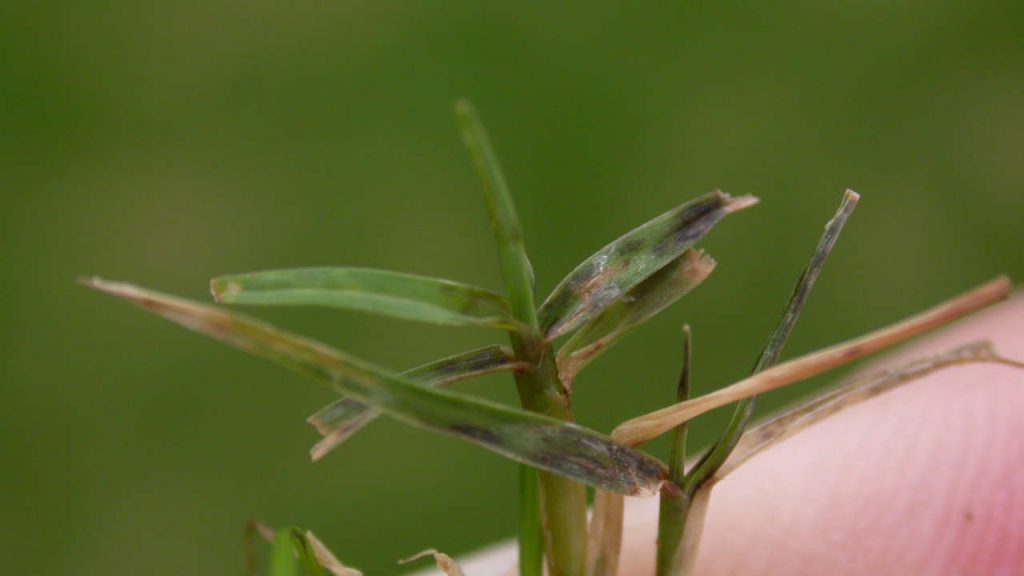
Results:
381 292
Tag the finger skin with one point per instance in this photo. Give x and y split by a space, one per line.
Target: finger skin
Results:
927 479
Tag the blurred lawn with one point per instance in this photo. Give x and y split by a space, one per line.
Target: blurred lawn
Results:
168 142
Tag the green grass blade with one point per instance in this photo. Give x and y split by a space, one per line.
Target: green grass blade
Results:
614 270
674 503
515 265
718 453
381 292
290 552
639 305
546 443
341 419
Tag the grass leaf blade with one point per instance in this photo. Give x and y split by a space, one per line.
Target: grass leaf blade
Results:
649 426
289 551
339 420
546 443
845 396
501 210
674 504
380 292
777 341
619 267
640 304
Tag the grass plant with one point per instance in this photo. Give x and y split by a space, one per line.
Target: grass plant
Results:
611 293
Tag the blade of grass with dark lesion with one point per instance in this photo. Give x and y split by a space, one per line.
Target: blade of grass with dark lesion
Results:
777 341
676 532
563 503
639 305
380 292
341 419
611 272
677 500
534 439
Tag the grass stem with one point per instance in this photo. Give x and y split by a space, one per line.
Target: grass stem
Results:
563 501
674 502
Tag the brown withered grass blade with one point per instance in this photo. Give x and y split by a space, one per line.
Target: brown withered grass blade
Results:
341 419
643 302
444 562
793 420
327 559
644 428
619 267
827 404
604 540
549 444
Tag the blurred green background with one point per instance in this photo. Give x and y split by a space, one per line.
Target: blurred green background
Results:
168 142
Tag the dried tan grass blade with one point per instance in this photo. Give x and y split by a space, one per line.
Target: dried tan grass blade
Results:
649 426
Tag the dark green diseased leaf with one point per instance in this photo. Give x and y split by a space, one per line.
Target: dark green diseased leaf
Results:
620 266
291 555
380 292
543 442
639 305
744 410
339 420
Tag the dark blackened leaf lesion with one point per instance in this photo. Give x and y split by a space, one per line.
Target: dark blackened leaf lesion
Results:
639 305
341 419
610 273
